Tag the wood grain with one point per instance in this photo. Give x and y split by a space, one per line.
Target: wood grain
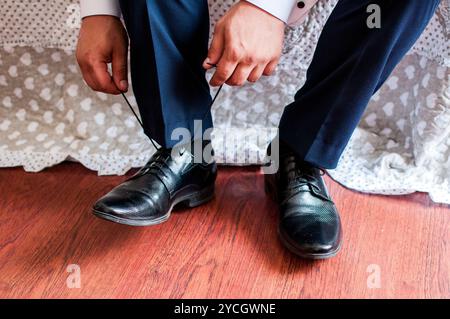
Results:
225 249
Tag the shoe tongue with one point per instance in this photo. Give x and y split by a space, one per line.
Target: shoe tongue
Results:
196 149
296 168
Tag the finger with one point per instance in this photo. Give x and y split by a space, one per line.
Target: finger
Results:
226 65
256 73
103 79
120 70
90 81
86 75
223 72
270 68
240 75
215 51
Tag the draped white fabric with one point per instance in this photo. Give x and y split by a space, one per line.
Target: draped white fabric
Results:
47 114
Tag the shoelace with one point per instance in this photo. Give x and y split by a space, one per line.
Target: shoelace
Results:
195 132
155 166
303 180
304 176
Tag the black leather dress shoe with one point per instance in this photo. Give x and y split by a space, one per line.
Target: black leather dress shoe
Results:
309 225
165 181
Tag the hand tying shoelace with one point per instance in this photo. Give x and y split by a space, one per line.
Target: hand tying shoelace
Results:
142 125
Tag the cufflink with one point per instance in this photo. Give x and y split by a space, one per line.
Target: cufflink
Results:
301 4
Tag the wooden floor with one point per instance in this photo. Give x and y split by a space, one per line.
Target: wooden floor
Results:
226 249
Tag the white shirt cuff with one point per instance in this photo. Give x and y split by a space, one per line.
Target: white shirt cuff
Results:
100 7
281 9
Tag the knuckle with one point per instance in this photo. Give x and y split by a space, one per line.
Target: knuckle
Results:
121 68
261 59
86 60
227 28
90 58
223 74
250 60
235 53
234 56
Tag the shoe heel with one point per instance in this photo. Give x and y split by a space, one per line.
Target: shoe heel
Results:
201 197
269 187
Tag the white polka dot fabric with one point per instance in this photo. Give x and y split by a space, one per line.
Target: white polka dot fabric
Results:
48 115
47 23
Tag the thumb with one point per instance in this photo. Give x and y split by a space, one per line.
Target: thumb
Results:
120 70
215 51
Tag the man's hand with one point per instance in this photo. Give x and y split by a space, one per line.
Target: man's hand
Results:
103 40
247 44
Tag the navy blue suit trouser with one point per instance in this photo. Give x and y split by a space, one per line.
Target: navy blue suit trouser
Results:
169 41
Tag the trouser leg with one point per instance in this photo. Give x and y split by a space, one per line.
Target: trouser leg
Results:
168 43
350 63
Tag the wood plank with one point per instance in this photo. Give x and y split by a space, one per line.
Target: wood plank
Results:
225 249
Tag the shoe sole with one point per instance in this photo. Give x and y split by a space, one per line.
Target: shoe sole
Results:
269 189
190 200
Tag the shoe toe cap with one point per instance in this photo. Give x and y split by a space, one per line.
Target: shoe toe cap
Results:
113 205
127 206
309 236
